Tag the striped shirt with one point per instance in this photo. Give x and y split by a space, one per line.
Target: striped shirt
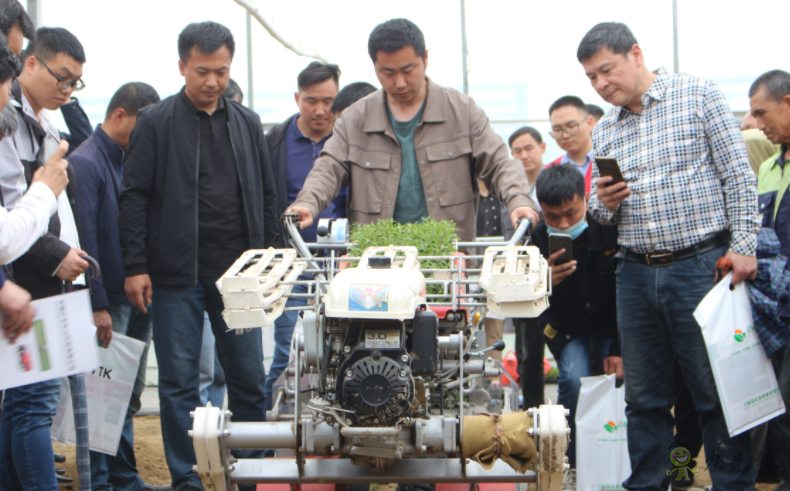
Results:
684 159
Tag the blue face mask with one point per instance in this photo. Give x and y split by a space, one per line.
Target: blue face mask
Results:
574 230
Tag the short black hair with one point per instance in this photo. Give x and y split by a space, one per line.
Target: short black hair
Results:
317 72
394 35
131 98
568 100
207 36
613 35
53 40
558 184
595 111
9 63
350 94
12 12
523 131
776 83
233 90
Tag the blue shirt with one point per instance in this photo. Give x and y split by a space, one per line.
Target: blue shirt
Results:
588 159
300 157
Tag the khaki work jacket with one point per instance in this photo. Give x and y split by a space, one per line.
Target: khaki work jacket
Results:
455 146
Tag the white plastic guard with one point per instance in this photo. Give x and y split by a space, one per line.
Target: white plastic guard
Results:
516 280
378 293
250 289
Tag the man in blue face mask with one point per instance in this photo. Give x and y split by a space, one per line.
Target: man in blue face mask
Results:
583 314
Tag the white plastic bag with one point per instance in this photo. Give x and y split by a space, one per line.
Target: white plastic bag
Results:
601 443
109 389
745 379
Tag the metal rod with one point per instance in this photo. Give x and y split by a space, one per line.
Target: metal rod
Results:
675 35
462 304
350 432
321 471
464 50
250 89
259 435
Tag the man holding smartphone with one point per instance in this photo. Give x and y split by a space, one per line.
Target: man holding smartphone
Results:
688 199
583 310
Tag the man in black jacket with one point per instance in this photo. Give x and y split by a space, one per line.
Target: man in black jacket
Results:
583 307
197 191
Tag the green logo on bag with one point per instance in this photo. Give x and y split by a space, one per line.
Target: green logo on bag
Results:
740 335
611 426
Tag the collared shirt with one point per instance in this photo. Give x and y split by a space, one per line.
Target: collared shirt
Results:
222 234
300 157
588 160
685 163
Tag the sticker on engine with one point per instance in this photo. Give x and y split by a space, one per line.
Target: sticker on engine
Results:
368 298
382 339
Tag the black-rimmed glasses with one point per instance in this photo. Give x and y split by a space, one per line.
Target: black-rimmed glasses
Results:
64 83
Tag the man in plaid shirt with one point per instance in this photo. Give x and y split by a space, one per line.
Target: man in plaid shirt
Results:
689 198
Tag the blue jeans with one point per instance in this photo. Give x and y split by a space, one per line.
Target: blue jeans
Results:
178 333
573 363
26 458
120 472
283 332
656 325
212 377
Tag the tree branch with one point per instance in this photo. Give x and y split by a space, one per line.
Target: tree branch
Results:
255 13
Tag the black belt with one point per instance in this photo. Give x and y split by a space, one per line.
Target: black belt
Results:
658 259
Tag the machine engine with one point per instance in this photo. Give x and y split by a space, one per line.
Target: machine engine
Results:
386 376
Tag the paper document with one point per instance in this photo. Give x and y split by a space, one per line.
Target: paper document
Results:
61 342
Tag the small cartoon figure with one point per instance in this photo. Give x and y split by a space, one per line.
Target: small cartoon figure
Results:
680 458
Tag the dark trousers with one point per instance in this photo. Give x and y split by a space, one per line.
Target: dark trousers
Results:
530 347
687 428
781 362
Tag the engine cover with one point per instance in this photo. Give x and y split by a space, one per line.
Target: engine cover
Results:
380 391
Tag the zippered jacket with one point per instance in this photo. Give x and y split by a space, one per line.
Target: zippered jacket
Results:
159 192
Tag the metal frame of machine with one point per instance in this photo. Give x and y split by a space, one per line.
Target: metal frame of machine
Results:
384 371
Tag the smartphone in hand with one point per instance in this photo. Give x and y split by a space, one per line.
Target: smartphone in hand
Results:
561 241
608 166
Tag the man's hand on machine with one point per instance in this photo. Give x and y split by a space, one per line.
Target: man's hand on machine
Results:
524 212
305 217
613 364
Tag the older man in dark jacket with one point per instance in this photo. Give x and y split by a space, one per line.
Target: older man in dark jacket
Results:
197 191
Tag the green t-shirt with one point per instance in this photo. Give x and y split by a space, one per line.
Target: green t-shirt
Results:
410 206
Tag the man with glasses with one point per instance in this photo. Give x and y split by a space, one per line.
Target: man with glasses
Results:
689 198
50 74
571 127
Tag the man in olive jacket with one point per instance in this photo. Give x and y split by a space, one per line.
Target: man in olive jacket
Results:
413 149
